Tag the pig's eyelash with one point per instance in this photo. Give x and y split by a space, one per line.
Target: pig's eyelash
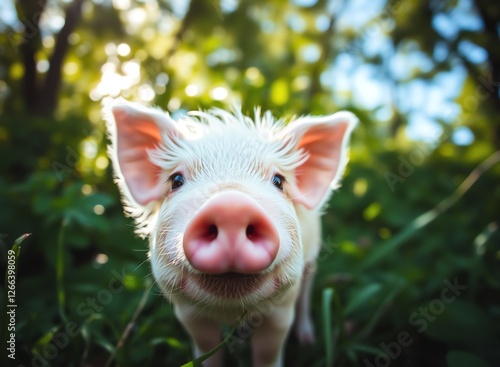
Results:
282 177
171 177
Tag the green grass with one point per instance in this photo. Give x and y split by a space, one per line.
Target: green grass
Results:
368 286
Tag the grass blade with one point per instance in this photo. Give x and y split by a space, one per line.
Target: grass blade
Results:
130 326
479 250
387 247
327 321
61 295
198 361
382 308
365 348
45 339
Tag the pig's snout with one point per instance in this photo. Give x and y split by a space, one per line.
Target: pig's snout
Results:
231 233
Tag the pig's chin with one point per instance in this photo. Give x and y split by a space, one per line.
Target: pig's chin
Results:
230 285
232 288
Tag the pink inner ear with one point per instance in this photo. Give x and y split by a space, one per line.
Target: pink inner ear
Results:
323 143
136 134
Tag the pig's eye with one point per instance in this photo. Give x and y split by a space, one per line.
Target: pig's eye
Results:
278 181
177 181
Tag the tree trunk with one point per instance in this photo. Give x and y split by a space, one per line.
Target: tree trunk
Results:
49 92
490 15
29 13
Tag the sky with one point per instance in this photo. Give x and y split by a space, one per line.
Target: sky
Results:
350 76
7 13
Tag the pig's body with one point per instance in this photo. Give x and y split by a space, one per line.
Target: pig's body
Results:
232 211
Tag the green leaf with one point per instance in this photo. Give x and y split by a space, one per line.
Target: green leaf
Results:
372 211
457 358
360 298
175 343
458 321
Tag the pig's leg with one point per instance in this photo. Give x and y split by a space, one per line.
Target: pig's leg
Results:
205 335
304 327
269 338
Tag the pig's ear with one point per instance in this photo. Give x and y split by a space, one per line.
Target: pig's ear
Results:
324 141
134 131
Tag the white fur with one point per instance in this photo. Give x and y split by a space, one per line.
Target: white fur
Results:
217 151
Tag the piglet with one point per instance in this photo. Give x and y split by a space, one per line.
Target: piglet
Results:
232 210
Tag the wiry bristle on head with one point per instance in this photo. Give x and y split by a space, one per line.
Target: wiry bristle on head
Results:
216 130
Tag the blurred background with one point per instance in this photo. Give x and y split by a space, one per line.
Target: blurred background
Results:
411 243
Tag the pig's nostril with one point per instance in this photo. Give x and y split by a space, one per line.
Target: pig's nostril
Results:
231 233
212 232
250 232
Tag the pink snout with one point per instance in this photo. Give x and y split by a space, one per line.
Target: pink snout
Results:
231 233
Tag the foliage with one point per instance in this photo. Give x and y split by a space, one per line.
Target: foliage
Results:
84 292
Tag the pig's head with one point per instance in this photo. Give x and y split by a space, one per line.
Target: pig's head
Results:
218 195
